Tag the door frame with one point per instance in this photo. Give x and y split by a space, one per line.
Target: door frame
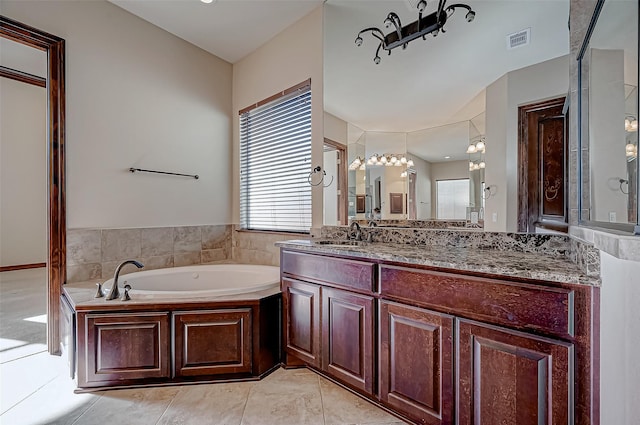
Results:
341 179
56 199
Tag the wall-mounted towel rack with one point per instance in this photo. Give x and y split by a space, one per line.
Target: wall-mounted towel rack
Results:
195 176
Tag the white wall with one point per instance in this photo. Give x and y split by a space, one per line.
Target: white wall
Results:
335 129
424 189
542 81
619 341
138 96
289 58
23 173
607 138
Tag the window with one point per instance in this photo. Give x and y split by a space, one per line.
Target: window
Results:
275 161
452 199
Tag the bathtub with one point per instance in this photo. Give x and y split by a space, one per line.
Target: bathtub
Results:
202 280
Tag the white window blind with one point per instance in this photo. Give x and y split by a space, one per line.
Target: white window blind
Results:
275 161
452 199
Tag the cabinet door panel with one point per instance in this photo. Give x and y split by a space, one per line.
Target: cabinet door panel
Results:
302 320
212 342
125 346
508 377
416 366
347 337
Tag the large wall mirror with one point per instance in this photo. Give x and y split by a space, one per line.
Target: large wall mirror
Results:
609 117
436 124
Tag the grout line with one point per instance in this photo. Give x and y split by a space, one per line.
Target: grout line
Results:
89 406
170 404
324 418
246 402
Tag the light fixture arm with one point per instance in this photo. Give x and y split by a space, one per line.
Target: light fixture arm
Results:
395 20
374 32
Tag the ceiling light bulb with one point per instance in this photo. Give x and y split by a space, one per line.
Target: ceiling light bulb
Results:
376 60
393 159
359 41
206 1
630 147
471 164
410 163
482 165
403 160
480 145
373 158
422 5
403 174
387 23
471 149
471 15
362 167
398 164
476 167
383 159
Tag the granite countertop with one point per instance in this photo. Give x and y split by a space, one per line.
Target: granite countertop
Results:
490 261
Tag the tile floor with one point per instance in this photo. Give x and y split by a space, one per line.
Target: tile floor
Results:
35 388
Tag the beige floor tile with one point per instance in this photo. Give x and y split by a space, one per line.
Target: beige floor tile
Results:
211 404
132 407
343 407
286 397
53 404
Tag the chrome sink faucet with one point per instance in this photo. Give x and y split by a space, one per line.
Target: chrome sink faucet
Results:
354 231
114 293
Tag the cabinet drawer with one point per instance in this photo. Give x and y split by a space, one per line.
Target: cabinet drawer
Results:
515 305
351 274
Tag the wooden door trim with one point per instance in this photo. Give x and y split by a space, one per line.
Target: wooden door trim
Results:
523 180
23 77
342 180
56 206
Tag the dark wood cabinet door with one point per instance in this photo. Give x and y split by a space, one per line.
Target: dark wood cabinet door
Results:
302 320
123 346
508 377
347 337
416 363
212 342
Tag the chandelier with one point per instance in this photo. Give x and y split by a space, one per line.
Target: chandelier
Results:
402 35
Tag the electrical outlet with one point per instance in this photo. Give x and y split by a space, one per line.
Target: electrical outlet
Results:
494 217
612 217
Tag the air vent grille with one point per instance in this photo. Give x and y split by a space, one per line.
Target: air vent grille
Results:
519 39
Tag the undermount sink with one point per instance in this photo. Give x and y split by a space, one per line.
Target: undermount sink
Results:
341 242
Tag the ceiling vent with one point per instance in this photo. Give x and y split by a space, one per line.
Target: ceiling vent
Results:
519 39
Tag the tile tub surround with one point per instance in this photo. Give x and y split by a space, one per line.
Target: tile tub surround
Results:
95 253
508 263
255 247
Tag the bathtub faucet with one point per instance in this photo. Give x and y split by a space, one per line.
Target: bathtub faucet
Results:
114 293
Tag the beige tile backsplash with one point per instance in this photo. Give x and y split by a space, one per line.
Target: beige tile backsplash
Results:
95 253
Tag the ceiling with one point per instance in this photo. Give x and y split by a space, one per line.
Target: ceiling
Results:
230 29
432 83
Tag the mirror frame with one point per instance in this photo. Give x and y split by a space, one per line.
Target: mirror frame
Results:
583 140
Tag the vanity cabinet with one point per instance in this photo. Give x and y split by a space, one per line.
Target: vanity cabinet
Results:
329 321
506 376
416 362
302 320
448 346
347 337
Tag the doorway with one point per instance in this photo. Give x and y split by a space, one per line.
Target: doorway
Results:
542 166
56 223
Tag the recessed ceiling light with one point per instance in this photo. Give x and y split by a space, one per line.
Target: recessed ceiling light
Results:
206 1
447 157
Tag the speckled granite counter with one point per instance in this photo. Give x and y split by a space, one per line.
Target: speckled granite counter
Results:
524 265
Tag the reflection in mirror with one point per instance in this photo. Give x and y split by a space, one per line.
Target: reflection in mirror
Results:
452 83
610 65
